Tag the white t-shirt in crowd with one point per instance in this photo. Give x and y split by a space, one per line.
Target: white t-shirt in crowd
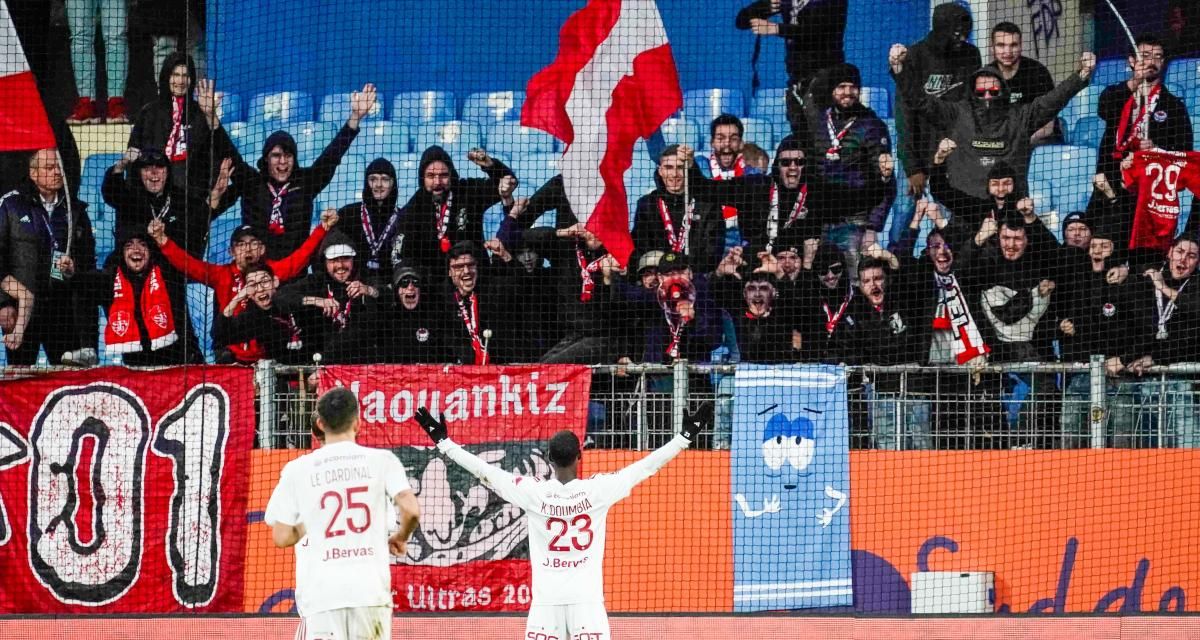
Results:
342 493
567 522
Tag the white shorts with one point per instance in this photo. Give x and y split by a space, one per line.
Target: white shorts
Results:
586 621
353 623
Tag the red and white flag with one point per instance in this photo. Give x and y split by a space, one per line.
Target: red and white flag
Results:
614 81
23 121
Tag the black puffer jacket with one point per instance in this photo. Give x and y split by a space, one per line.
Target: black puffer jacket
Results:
375 260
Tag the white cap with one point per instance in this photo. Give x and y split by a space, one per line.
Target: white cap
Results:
339 251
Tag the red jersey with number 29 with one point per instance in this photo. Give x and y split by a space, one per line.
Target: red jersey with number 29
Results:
566 521
1157 177
342 493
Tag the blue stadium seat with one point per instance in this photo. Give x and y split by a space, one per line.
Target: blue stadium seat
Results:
335 107
892 135
534 170
218 234
412 107
1192 102
102 216
494 106
455 136
383 138
1087 132
200 311
769 104
878 99
1069 169
347 184
1042 192
467 169
1084 103
1110 71
761 132
705 104
311 139
407 180
282 107
687 131
1196 131
248 137
511 139
1183 77
231 106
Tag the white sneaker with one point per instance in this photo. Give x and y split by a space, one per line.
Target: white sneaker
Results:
85 357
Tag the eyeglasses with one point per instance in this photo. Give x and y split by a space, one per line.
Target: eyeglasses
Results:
248 244
993 92
836 269
466 266
791 162
405 283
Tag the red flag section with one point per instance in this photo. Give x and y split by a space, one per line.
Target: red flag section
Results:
614 81
23 122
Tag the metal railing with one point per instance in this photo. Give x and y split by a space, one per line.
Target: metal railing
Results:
1011 406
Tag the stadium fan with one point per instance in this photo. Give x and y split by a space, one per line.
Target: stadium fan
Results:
988 126
343 310
256 314
1091 309
725 160
941 65
147 320
689 325
16 304
1027 78
1141 113
663 221
174 124
567 523
823 297
149 192
45 238
373 224
447 210
343 557
277 196
764 331
812 33
856 186
82 17
410 332
246 247
478 319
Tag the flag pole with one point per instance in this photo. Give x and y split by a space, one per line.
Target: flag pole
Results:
62 168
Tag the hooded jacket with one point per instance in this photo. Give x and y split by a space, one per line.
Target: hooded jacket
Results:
374 262
469 198
1139 332
706 234
812 33
987 131
184 211
816 305
153 124
254 186
940 65
852 188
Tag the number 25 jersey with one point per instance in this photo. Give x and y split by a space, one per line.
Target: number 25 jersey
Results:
1157 177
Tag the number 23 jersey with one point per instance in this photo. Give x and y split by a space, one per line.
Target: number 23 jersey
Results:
1157 177
567 522
342 494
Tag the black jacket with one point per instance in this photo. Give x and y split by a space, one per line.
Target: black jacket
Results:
812 33
185 213
418 242
26 247
496 311
304 185
706 236
1099 312
940 66
1140 336
384 217
277 329
152 126
761 339
413 337
350 337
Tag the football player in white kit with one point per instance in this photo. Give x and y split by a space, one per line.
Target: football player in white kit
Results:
566 518
333 504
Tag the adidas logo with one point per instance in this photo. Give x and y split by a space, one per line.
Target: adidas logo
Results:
25 219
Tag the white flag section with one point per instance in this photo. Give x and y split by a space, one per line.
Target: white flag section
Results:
614 81
23 122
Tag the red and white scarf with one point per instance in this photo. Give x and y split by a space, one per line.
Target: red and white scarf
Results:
799 212
176 149
835 138
1132 130
275 224
953 315
832 318
341 317
470 321
738 169
442 224
586 269
122 333
677 243
675 326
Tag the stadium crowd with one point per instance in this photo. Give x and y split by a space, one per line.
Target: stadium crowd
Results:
765 257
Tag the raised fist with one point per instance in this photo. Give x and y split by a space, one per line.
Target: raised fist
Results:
897 55
1087 64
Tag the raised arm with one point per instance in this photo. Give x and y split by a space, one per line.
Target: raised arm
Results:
505 484
1046 107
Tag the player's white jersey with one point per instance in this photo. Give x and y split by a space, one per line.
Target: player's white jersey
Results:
342 495
567 522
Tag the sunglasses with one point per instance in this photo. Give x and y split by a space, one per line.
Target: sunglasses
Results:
404 283
791 162
836 269
987 92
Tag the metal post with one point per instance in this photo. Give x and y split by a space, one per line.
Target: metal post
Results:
679 394
642 423
264 381
1098 400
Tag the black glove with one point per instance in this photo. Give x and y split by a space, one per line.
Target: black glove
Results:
434 428
693 422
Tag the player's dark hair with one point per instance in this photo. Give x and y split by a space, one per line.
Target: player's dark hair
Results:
668 151
1006 27
337 410
563 449
261 266
726 118
873 263
1183 238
